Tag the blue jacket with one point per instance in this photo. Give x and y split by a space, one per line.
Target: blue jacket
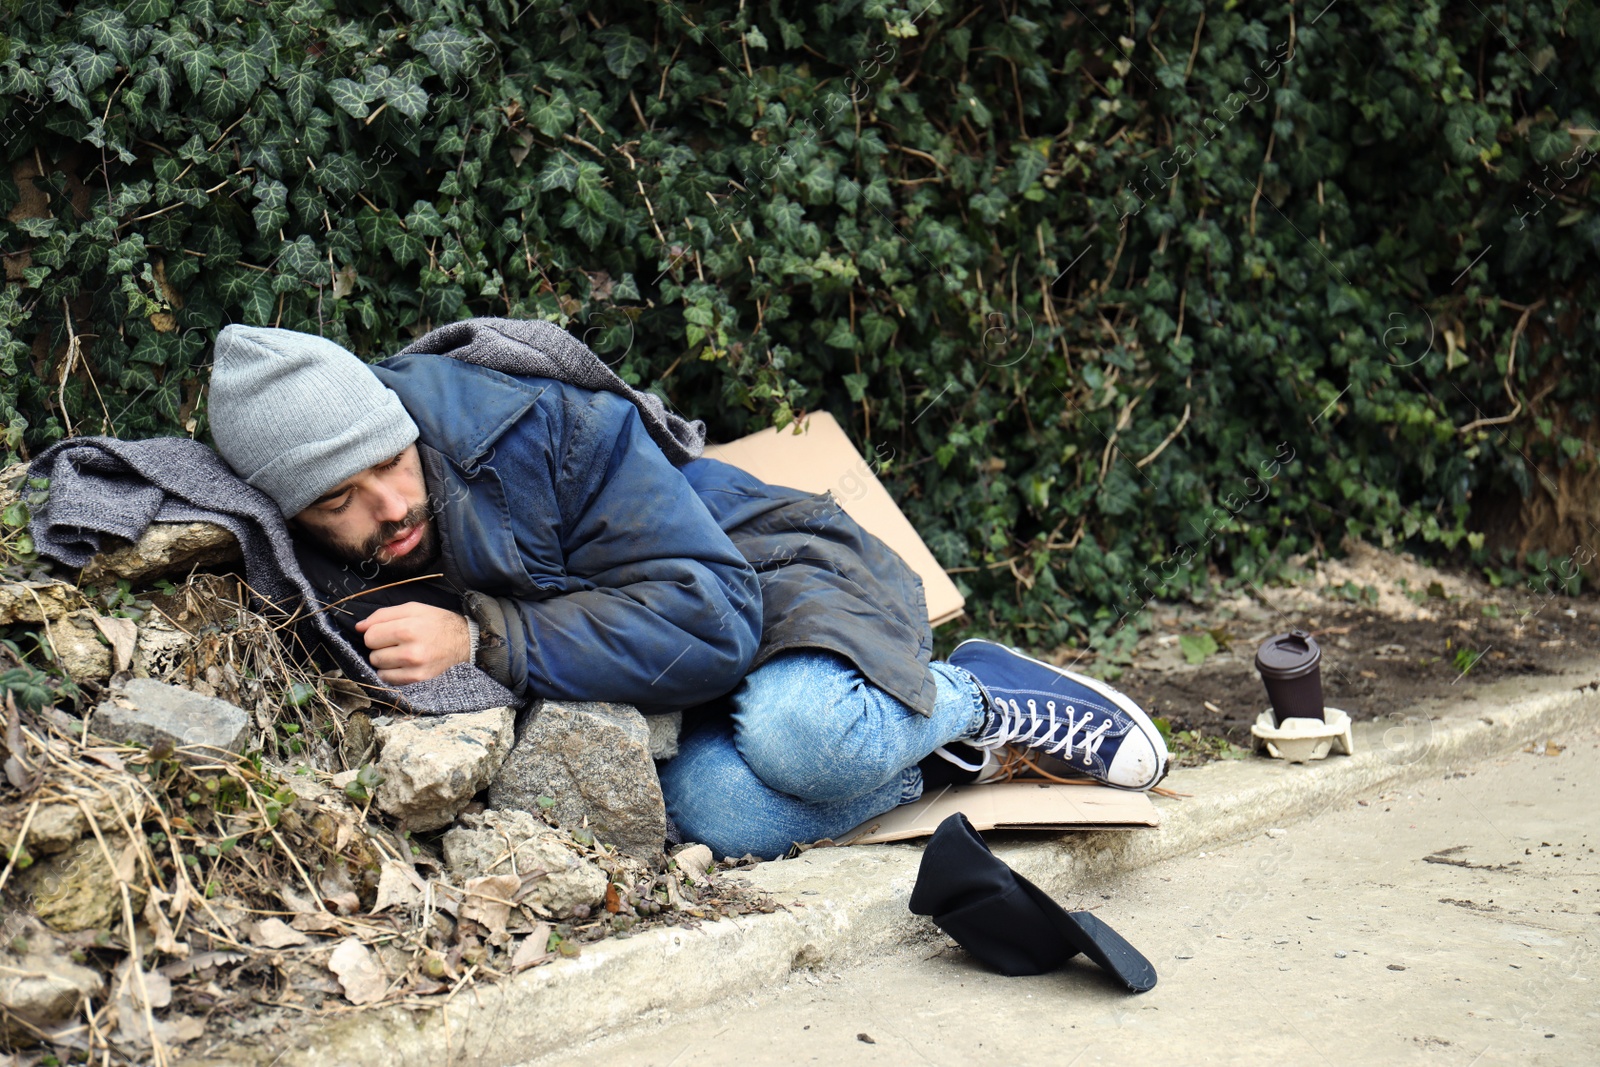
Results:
618 576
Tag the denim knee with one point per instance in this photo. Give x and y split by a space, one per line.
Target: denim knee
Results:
812 741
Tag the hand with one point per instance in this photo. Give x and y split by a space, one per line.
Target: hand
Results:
414 642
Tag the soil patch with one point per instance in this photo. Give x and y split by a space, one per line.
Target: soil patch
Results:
1393 633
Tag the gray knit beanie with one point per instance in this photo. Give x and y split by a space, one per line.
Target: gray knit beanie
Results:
295 414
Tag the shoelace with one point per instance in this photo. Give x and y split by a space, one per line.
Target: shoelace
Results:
1015 726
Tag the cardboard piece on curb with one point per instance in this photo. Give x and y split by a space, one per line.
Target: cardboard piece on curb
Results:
1012 806
822 459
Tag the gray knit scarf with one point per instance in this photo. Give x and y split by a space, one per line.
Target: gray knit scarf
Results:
103 489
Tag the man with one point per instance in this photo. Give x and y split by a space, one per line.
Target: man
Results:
455 514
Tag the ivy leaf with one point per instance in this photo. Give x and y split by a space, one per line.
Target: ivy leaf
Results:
406 247
194 57
299 90
446 49
244 71
258 303
408 98
842 336
38 14
589 227
271 210
156 79
552 114
424 220
147 12
109 30
558 172
221 95
587 189
302 257
63 85
622 50
876 330
351 97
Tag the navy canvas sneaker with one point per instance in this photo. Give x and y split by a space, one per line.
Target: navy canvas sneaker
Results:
1051 710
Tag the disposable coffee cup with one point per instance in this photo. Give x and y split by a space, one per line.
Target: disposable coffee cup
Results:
1290 665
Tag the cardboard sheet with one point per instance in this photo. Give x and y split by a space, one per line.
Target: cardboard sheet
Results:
822 459
1012 806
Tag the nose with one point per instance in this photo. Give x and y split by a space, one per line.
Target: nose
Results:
392 505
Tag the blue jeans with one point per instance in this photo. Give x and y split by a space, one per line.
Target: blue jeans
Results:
811 750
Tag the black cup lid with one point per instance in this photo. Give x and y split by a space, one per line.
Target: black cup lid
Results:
1287 653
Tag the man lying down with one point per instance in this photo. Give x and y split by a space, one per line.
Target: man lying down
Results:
559 549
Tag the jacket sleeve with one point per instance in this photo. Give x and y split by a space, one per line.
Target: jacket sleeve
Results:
661 610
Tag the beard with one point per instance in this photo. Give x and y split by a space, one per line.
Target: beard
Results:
364 557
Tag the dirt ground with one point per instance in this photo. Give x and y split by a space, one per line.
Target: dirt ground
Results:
1393 632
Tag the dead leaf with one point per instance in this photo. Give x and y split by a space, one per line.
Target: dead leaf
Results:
358 972
316 922
524 145
275 933
202 962
338 891
533 950
105 757
123 635
344 282
156 918
180 1029
1553 749
397 885
155 984
489 900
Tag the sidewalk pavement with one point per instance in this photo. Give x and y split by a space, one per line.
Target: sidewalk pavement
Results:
847 906
1451 921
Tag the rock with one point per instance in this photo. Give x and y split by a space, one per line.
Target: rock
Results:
148 712
167 550
161 645
58 825
433 765
76 889
21 601
594 760
664 731
80 649
514 842
43 991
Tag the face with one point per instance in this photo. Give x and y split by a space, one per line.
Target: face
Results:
378 520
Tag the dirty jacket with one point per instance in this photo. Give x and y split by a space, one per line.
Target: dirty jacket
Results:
611 574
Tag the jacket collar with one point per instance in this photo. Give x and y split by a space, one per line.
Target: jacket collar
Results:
460 408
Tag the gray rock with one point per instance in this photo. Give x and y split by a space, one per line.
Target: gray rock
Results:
433 765
514 842
148 712
594 760
43 991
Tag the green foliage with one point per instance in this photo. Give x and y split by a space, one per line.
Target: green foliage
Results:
1120 298
1196 647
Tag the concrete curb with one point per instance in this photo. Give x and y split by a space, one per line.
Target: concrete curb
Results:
846 904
